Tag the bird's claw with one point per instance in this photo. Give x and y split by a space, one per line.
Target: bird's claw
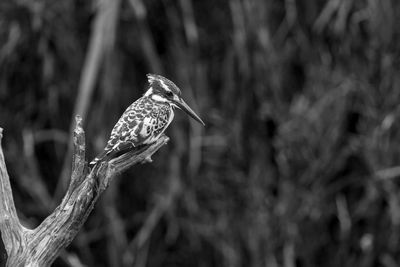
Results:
147 160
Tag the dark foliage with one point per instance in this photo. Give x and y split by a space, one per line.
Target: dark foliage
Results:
296 165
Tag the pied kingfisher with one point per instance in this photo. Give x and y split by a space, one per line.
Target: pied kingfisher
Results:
144 121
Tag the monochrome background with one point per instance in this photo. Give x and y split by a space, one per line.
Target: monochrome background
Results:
298 164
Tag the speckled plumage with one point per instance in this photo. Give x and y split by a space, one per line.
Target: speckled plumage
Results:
144 121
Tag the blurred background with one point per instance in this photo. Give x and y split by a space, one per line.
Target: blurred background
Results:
298 164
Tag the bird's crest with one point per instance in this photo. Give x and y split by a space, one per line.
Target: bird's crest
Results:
159 82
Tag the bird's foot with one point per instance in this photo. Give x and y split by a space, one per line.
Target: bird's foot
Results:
147 160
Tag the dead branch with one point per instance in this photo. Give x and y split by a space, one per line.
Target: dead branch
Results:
101 42
41 246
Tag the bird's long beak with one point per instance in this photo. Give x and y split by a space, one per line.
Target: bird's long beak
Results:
183 106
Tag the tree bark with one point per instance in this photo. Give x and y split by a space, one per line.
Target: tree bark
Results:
41 246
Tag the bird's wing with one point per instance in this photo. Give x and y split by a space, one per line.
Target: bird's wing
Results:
132 130
124 136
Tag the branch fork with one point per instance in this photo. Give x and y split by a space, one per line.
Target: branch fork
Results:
41 246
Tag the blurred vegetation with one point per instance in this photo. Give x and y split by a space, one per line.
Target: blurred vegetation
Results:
296 165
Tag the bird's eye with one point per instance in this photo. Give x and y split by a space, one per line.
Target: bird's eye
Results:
169 93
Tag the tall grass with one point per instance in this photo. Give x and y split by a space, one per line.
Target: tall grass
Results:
297 164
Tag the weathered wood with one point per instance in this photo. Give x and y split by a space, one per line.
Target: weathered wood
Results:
41 246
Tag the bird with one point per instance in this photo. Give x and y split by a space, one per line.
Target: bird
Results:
146 119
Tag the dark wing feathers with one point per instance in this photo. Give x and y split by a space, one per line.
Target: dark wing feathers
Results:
141 123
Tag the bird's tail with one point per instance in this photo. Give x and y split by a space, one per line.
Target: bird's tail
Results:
111 153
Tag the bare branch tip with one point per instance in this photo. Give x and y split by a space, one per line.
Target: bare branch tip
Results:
78 126
78 120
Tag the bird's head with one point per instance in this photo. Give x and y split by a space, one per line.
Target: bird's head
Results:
163 90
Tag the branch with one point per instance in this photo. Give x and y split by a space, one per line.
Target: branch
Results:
11 229
41 246
102 40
